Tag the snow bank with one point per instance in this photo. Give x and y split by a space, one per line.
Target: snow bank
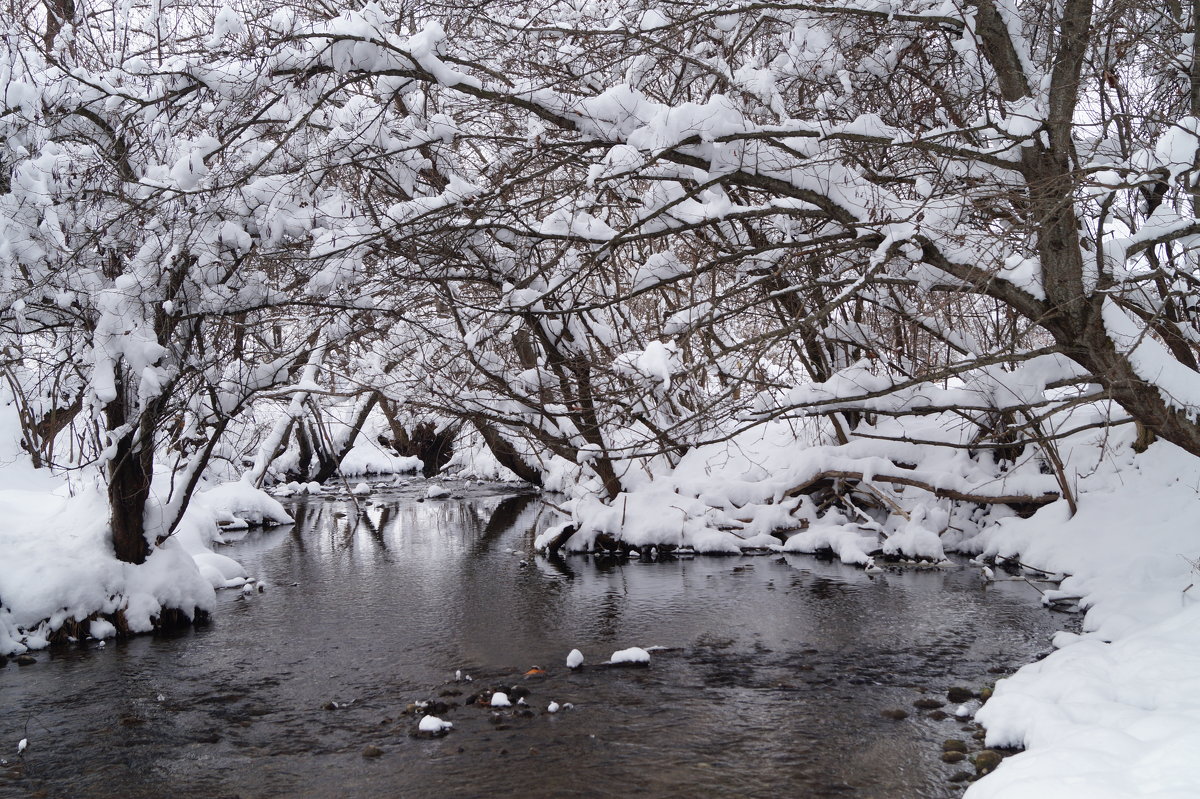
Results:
59 566
1115 712
369 458
736 495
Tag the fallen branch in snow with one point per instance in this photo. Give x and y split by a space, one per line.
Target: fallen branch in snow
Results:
944 493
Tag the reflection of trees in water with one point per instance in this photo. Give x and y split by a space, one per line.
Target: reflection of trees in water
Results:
374 528
509 514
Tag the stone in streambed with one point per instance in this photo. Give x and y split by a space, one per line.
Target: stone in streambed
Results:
986 761
896 714
370 750
953 757
958 695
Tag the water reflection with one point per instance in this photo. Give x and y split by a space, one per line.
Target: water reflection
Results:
772 684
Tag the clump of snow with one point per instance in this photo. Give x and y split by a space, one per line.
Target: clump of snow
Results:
238 505
850 542
101 629
437 492
500 699
915 539
553 707
633 654
574 659
361 490
434 725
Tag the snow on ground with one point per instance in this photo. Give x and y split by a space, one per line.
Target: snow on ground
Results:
1114 712
733 496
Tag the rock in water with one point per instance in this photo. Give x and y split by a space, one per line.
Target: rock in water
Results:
958 695
434 726
986 761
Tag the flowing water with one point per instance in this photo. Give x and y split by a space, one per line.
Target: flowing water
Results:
772 681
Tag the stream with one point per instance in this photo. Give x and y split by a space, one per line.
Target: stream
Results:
773 679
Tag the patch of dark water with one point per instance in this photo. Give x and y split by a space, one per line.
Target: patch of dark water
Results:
773 682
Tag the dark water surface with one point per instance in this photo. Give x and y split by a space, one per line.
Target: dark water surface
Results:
772 686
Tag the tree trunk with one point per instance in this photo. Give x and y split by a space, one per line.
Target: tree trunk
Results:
506 454
129 474
331 464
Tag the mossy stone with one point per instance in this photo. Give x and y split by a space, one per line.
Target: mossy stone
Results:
958 695
987 760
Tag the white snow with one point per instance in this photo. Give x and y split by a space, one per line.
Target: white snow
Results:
1115 712
500 699
101 629
58 561
633 654
434 724
437 492
553 707
574 659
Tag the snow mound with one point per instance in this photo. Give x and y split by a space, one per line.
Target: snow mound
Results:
432 724
238 505
632 655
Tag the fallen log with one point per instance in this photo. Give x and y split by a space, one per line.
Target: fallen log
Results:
944 493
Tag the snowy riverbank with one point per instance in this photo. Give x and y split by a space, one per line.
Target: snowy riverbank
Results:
59 575
1114 712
